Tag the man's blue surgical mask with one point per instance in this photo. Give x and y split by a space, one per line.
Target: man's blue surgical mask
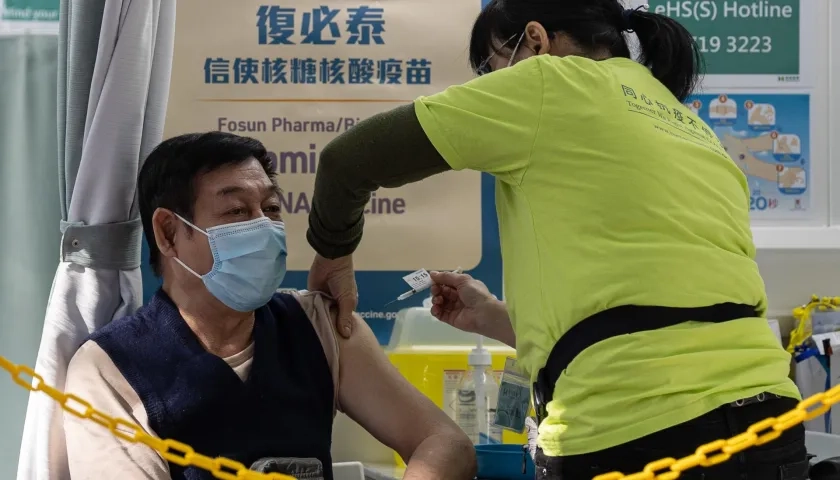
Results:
249 262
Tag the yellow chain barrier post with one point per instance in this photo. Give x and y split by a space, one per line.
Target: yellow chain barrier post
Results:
802 315
171 450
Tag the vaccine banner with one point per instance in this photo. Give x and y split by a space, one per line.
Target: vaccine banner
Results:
295 75
29 16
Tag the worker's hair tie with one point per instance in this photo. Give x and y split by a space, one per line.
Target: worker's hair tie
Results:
627 17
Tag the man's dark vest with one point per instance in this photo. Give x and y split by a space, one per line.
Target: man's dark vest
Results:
283 409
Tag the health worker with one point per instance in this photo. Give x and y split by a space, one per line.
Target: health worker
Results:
632 293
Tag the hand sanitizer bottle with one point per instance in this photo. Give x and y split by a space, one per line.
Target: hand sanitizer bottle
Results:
478 392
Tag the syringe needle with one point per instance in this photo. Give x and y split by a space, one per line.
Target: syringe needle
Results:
416 290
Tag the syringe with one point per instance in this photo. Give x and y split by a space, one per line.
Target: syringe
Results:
413 291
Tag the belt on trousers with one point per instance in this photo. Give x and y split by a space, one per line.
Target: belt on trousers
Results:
617 321
761 397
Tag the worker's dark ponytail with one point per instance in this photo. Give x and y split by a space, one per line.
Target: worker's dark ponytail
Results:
668 49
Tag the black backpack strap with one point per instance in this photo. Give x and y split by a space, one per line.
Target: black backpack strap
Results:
617 321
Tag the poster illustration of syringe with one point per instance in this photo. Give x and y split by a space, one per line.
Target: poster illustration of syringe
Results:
768 137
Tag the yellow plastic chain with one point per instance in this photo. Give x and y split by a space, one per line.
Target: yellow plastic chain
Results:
669 468
720 451
171 450
802 314
759 433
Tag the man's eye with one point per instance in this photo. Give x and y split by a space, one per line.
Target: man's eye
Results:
272 209
236 211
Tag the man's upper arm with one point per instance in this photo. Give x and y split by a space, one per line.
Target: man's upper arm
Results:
93 452
488 124
374 394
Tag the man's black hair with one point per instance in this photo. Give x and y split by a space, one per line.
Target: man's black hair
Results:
167 179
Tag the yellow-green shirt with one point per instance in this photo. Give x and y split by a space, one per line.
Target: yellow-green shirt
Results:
610 192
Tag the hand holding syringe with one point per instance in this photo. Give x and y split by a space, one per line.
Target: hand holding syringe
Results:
419 281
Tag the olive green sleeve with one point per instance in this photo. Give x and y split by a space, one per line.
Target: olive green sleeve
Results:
387 150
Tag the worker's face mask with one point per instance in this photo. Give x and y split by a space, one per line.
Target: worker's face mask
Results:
486 67
515 49
249 262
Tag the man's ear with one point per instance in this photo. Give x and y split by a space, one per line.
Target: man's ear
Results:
165 225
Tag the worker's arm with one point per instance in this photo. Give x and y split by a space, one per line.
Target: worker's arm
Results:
488 124
387 150
374 394
93 452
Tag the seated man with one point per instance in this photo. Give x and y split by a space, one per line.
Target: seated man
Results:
220 361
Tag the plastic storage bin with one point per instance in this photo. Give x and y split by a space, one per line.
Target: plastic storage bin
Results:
431 355
503 462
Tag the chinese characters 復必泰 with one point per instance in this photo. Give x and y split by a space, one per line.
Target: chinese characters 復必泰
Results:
278 25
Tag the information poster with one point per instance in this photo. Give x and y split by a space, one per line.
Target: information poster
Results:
768 137
32 16
760 59
295 75
749 43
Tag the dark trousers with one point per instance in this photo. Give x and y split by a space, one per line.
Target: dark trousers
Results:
782 459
